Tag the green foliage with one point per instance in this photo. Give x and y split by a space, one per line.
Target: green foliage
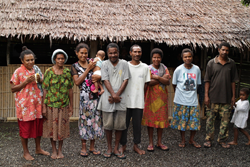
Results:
245 2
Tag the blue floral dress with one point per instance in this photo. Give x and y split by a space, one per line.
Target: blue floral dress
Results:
90 120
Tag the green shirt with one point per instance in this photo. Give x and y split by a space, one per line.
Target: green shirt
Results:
58 88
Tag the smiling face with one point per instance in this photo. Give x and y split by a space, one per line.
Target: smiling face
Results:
82 55
223 52
28 61
60 59
156 59
113 55
136 54
187 58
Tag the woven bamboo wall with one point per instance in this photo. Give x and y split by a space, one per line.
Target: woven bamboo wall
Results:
7 103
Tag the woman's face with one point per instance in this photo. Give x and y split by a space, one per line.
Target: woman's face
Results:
156 59
28 61
82 54
60 59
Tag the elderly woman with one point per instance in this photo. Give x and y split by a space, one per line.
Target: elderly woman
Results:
186 114
58 102
90 125
155 114
28 100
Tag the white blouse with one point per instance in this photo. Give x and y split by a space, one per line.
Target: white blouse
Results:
241 114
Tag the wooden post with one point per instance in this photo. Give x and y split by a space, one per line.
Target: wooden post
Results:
8 52
240 70
93 50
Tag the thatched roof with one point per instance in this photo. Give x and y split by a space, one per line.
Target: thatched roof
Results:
175 22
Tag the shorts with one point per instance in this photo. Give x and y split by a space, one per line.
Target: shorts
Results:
31 129
98 72
114 120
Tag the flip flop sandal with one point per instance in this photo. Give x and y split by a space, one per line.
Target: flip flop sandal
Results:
119 156
107 155
95 152
84 154
150 148
162 147
182 145
196 145
207 144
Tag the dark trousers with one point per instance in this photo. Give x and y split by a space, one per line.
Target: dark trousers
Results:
136 115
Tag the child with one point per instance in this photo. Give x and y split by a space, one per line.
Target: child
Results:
240 116
97 71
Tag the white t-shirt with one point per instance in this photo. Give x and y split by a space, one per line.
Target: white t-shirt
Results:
241 114
186 81
140 74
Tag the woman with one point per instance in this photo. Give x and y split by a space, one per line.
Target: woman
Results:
90 126
58 102
155 114
186 114
28 98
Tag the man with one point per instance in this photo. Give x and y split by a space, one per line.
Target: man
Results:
189 83
115 75
221 75
140 75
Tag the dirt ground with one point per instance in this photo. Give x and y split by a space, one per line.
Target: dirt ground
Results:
11 151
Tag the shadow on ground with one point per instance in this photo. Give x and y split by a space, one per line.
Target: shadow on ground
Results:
11 151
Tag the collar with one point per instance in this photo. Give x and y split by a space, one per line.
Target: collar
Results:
217 61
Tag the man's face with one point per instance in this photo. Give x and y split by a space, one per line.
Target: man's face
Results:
189 76
136 53
113 55
187 58
223 52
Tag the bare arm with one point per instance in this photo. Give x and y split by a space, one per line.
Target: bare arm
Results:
174 86
70 102
79 79
44 105
145 86
157 79
17 88
207 100
122 88
233 91
153 82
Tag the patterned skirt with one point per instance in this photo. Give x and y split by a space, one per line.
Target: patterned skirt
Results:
185 118
90 121
56 125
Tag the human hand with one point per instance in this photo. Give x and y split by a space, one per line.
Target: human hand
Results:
96 78
207 101
111 100
30 78
70 111
117 99
44 111
154 76
232 102
91 65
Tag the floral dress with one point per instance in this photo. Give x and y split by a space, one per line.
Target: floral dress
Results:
28 100
90 121
56 125
155 113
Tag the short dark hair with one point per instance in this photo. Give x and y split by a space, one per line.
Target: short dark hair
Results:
245 90
58 54
80 46
156 51
186 50
224 44
26 51
135 45
112 45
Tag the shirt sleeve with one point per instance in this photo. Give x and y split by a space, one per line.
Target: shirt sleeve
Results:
73 70
243 106
104 71
199 76
15 77
175 76
234 74
148 75
126 71
208 73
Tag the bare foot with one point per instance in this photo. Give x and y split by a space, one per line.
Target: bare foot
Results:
232 143
123 149
54 155
248 143
28 157
101 92
138 150
42 152
95 91
60 156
